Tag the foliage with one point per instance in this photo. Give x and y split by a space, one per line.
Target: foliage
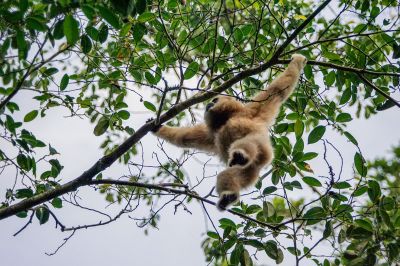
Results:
88 56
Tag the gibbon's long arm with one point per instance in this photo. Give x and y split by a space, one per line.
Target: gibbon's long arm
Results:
197 137
266 104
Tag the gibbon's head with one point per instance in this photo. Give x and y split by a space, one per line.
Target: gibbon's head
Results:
300 60
220 109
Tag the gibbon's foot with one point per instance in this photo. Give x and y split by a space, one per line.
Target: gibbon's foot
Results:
238 159
227 198
155 128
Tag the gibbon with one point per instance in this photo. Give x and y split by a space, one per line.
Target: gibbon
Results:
237 133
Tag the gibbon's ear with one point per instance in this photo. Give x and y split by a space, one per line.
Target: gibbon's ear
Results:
155 128
226 199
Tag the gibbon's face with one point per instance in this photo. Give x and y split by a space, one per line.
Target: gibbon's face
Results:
220 109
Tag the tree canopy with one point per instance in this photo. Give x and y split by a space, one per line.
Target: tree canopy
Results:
173 56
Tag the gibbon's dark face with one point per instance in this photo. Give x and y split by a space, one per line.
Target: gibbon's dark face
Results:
219 110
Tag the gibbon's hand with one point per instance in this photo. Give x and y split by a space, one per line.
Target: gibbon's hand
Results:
155 128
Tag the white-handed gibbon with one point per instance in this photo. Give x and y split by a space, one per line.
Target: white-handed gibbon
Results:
237 132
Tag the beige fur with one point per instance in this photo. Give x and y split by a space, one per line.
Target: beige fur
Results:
237 133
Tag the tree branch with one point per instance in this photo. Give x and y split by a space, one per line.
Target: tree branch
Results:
378 90
29 72
178 192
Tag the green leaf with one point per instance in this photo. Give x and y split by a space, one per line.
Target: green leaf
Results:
309 156
360 191
86 44
345 96
298 128
328 229
360 27
58 32
24 193
245 258
268 209
359 233
125 30
123 114
341 185
311 181
330 78
343 117
225 222
254 243
57 203
138 31
213 235
146 16
269 190
314 215
271 249
140 6
103 33
35 24
316 134
150 78
341 236
64 82
386 105
56 167
52 151
359 164
71 29
374 190
364 223
280 257
191 70
396 50
42 213
24 162
12 107
150 106
21 42
351 138
50 71
22 214
109 16
31 115
397 222
124 7
88 11
101 126
236 254
308 72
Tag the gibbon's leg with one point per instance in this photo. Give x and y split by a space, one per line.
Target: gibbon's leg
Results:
197 136
246 158
231 181
266 104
